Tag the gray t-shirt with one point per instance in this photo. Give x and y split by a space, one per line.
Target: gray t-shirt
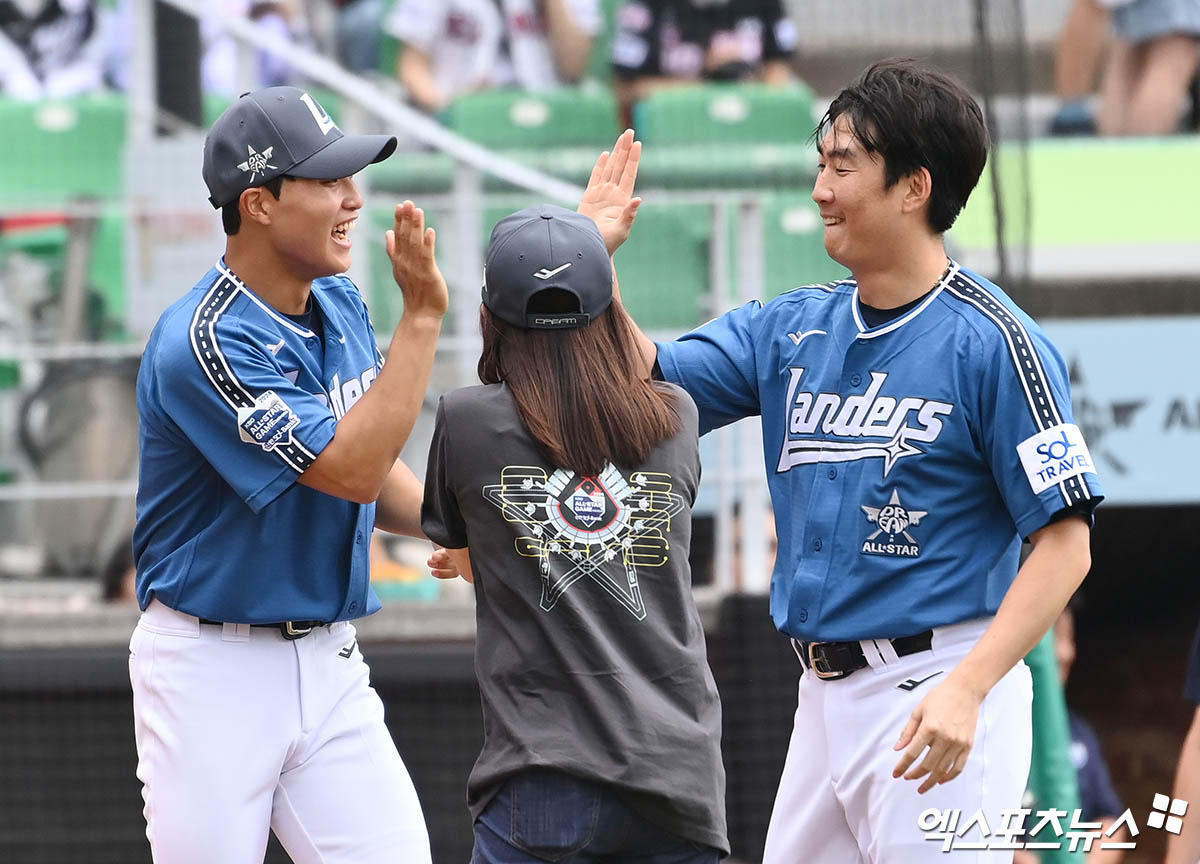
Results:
589 650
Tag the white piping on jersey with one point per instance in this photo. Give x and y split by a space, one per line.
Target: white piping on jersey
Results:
827 287
1028 366
203 337
286 322
865 333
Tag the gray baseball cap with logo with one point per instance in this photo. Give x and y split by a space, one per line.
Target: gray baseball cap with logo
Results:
281 130
541 248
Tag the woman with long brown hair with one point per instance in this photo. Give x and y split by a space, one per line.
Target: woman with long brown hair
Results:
563 487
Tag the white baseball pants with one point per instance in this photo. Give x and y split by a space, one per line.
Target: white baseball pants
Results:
240 730
837 801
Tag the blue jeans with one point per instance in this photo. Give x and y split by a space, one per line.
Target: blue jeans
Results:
542 815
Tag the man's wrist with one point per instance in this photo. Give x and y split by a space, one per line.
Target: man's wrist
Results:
421 319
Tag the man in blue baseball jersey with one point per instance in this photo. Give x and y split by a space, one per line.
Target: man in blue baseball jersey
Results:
270 436
917 426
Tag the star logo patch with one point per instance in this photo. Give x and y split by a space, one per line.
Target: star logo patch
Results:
256 163
894 520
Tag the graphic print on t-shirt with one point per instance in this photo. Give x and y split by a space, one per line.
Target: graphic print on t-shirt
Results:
602 527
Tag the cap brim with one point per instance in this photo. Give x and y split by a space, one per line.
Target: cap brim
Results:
344 157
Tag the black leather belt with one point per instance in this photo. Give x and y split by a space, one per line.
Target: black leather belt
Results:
833 660
289 629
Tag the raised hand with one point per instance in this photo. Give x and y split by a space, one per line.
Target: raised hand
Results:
609 198
411 247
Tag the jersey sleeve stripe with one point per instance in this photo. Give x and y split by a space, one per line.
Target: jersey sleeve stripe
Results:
206 347
1027 363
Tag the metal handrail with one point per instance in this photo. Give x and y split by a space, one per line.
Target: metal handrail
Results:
367 95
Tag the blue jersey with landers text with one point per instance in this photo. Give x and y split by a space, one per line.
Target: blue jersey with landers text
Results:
235 402
905 461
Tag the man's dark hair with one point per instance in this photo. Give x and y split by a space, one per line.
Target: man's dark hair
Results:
577 390
231 216
915 117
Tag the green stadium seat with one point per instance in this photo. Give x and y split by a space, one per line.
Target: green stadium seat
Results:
726 114
510 119
66 149
795 245
664 267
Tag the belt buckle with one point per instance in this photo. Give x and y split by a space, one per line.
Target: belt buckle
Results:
290 631
819 667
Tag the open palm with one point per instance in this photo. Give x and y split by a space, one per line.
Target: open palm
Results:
609 198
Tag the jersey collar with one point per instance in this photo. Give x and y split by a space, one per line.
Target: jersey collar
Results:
283 320
865 332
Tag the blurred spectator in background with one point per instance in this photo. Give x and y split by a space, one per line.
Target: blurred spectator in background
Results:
451 47
1184 848
1098 799
356 33
1150 66
1076 65
51 48
662 42
219 72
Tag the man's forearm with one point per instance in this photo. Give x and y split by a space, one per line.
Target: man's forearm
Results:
415 72
398 510
368 440
570 45
1053 571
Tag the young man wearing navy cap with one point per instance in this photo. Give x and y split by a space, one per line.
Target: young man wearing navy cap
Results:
270 437
917 427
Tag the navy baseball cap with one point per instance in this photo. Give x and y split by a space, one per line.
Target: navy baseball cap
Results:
281 130
540 248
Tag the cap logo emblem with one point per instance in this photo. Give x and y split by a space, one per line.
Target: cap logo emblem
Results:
545 274
257 162
324 121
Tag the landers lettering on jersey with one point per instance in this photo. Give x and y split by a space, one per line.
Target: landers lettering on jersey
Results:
1054 455
343 395
894 520
832 426
269 423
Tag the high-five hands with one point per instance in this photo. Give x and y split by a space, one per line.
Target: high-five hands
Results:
609 199
411 247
